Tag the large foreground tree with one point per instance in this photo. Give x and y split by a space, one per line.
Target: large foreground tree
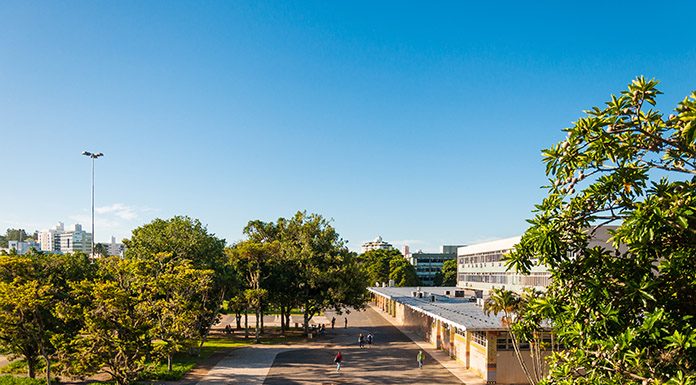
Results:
627 314
183 239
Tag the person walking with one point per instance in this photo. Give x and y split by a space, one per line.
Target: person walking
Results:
361 341
420 359
333 322
369 339
345 319
337 360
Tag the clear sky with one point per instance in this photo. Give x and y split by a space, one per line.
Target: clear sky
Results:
421 122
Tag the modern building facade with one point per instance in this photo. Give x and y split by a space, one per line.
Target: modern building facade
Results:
480 267
427 265
76 240
115 248
377 244
58 240
50 239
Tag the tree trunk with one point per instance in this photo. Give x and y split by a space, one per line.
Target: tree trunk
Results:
31 368
282 320
238 318
288 310
257 331
246 324
48 365
169 362
305 324
261 313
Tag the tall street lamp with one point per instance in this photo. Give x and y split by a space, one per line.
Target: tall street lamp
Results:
94 156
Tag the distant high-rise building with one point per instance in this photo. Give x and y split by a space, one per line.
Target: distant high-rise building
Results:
50 239
377 244
115 248
76 240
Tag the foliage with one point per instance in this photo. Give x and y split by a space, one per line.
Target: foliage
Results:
116 336
101 249
15 235
448 275
184 239
402 273
174 303
329 277
382 265
31 287
624 314
514 309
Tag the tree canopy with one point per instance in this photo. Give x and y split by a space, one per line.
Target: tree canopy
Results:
383 265
625 314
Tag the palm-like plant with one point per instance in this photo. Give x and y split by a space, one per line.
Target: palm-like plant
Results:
511 305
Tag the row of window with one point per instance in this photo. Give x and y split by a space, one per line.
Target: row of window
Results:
479 338
509 278
491 256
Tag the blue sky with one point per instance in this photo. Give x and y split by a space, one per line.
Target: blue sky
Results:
420 122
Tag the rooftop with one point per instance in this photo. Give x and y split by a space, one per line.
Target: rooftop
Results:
457 312
484 247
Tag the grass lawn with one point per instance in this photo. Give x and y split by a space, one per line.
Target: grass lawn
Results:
12 380
182 363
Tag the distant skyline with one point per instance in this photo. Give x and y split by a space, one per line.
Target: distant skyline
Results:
420 124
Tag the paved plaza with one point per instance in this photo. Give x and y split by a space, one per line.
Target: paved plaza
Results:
390 360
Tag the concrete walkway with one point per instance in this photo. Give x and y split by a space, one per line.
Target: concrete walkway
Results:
455 367
248 365
391 360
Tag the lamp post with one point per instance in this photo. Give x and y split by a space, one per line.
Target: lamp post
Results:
94 156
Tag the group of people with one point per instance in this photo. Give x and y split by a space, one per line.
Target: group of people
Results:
338 359
333 322
362 339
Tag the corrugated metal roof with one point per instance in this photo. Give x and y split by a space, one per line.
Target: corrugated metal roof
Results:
454 311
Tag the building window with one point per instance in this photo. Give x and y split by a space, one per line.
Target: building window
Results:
479 338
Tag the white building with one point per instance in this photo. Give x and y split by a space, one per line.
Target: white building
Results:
115 248
76 240
50 239
377 244
22 247
481 268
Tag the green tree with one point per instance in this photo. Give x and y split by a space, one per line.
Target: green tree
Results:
251 259
182 238
116 336
376 264
31 288
101 249
174 307
625 315
328 275
402 273
24 302
447 276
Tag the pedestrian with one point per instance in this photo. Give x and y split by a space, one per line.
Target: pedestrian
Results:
361 341
333 322
337 360
228 329
420 359
345 319
369 339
